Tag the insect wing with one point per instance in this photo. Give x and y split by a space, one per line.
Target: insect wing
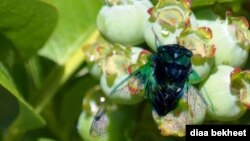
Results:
196 105
190 110
99 124
207 100
195 78
140 81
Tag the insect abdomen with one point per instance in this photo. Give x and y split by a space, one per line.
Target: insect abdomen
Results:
165 100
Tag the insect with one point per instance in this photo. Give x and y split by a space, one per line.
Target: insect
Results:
164 78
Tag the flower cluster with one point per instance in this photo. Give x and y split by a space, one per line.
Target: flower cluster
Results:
220 49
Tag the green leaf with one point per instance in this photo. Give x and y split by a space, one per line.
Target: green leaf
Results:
45 139
38 69
8 108
63 114
71 99
27 119
27 24
198 3
76 28
76 22
56 78
13 63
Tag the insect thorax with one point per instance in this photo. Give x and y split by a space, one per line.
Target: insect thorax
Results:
172 64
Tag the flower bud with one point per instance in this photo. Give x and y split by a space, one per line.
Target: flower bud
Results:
95 53
101 120
92 102
116 69
240 84
199 42
123 21
224 104
167 20
231 38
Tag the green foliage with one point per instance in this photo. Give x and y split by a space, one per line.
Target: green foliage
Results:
28 81
27 24
76 22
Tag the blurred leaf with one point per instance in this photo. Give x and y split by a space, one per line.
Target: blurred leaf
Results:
76 28
27 119
71 99
63 114
38 69
60 74
197 3
76 22
8 108
36 134
27 24
11 60
154 1
45 139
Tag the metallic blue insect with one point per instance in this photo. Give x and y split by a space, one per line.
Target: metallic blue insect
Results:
165 78
172 66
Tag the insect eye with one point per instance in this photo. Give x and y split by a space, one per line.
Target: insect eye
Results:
189 54
183 60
